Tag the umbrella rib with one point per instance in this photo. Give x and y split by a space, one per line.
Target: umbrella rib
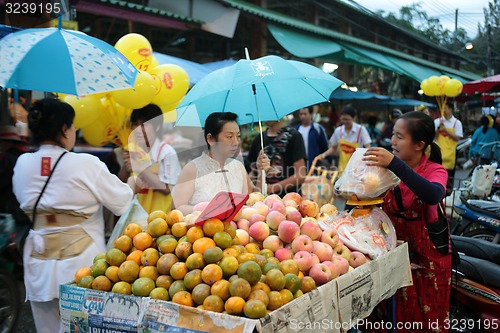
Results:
326 98
270 99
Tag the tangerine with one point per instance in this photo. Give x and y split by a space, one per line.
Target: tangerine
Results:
132 230
223 239
255 309
213 303
86 281
123 243
81 272
179 229
275 300
195 260
143 286
129 271
183 298
178 270
212 226
202 244
164 281
200 292
176 287
157 214
252 248
174 216
211 274
221 289
250 271
234 305
150 257
159 293
115 257
101 283
142 241
112 273
275 279
194 233
150 272
192 279
135 256
158 227
230 229
212 255
229 265
99 267
166 245
240 287
261 295
165 263
122 287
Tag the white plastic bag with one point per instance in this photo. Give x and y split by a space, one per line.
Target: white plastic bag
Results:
135 214
482 179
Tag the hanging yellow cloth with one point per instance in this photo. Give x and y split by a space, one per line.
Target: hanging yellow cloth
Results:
448 148
346 149
152 200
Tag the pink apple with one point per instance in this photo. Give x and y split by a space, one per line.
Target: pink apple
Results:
308 208
274 218
235 226
335 269
342 264
243 236
330 237
246 212
259 231
304 260
315 258
269 200
261 208
200 206
293 196
311 229
254 197
278 206
343 251
292 214
357 259
288 231
322 250
302 243
256 218
320 273
272 243
290 203
243 224
283 254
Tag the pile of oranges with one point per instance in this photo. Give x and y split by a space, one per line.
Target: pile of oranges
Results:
199 266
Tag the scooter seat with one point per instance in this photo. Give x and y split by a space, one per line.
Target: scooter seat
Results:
478 248
479 270
491 208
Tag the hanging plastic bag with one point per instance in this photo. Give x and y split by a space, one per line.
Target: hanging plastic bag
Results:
482 179
135 214
365 182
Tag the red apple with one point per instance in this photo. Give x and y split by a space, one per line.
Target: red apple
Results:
357 259
311 229
341 263
274 218
261 208
304 260
320 273
243 224
335 269
330 237
278 206
256 218
259 231
302 243
288 231
322 250
290 203
269 200
246 212
293 196
254 197
283 254
315 258
243 236
272 243
292 214
308 208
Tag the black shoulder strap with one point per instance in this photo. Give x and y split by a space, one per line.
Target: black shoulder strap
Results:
43 189
399 199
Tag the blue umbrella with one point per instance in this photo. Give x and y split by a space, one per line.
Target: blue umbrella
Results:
346 94
263 89
58 60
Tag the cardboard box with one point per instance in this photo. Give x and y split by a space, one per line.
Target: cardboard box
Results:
333 307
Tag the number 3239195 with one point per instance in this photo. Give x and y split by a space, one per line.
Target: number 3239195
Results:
36 7
467 324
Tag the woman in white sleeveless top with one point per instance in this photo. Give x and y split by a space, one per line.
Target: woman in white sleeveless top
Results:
216 169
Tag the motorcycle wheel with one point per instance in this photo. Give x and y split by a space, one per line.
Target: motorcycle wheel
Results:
481 233
10 302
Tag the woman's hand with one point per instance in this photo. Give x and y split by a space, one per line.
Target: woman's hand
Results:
376 156
263 162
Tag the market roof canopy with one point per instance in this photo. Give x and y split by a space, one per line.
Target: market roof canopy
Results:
346 94
308 45
490 83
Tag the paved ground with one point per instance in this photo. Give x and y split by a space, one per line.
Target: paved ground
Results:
26 323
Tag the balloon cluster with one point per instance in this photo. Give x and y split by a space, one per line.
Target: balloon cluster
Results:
103 117
441 87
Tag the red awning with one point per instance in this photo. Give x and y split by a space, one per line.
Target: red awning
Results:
488 84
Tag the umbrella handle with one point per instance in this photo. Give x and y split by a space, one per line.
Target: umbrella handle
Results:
263 182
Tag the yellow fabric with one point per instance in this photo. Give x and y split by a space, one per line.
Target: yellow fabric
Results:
346 149
65 244
448 149
153 200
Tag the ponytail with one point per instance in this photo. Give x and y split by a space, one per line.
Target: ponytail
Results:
435 155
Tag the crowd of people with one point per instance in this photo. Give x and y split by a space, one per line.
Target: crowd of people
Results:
60 194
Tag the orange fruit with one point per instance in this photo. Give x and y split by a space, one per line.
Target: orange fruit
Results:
143 286
179 229
212 255
275 279
132 230
99 267
254 309
150 257
252 248
261 286
273 260
267 253
195 260
192 279
213 303
157 227
223 239
159 293
101 283
194 233
175 287
286 296
174 216
142 241
229 265
250 271
307 284
86 281
164 281
150 272
157 214
98 257
268 266
122 287
230 229
183 250
200 292
135 256
292 282
202 244
212 226
221 289
112 273
246 256
261 295
165 263
123 243
115 257
178 270
298 294
167 245
231 251
183 298
211 274
289 266
234 305
81 272
275 300
129 271
240 287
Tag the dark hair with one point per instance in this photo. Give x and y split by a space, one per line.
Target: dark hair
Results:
485 122
395 114
149 113
310 109
372 121
421 128
450 105
215 121
349 110
47 118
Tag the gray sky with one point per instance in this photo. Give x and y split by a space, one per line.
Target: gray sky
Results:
470 12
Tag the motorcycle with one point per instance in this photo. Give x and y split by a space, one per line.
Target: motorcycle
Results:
10 296
475 286
482 213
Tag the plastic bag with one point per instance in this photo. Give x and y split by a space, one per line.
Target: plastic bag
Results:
318 189
365 182
482 179
135 214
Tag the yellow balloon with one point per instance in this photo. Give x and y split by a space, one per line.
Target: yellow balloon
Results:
453 88
424 84
142 94
87 109
432 86
137 49
169 113
172 83
101 131
153 64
